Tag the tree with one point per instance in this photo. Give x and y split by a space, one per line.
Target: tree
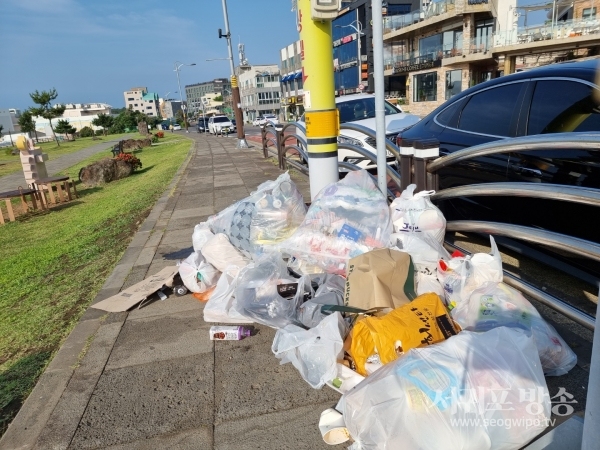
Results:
179 117
1 128
218 98
27 123
103 120
45 108
64 127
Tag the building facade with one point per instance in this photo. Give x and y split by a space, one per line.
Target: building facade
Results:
292 92
439 50
170 108
195 92
260 90
139 99
86 109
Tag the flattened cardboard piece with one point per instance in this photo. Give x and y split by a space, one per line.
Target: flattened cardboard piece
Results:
138 292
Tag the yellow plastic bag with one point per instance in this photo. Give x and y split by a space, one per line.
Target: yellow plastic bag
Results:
424 321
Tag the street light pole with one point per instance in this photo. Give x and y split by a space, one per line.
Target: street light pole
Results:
235 90
177 67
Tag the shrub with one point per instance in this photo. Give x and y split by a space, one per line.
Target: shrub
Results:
130 159
86 132
160 134
154 138
99 133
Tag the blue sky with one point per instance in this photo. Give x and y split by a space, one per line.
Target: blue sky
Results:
93 50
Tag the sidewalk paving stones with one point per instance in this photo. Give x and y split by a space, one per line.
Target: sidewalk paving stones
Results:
150 378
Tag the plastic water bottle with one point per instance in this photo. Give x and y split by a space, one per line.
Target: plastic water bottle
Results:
228 333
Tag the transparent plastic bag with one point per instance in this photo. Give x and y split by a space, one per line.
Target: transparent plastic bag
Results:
462 275
498 305
474 391
415 213
345 219
198 275
269 215
221 304
268 295
330 292
313 352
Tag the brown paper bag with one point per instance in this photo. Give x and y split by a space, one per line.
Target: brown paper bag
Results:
382 278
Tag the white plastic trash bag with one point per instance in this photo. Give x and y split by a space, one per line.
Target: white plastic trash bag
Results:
201 236
425 258
460 276
221 304
198 275
346 219
415 213
220 253
313 352
498 305
474 391
268 215
266 293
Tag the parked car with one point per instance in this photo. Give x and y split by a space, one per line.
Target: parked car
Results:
219 125
234 125
202 125
549 99
268 120
176 127
360 109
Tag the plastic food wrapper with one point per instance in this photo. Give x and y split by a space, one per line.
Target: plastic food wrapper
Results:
268 295
414 213
425 258
345 219
330 292
462 275
221 254
201 236
313 352
382 278
422 322
221 304
198 275
498 305
474 391
270 214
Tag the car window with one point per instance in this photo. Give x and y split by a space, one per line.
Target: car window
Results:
221 119
491 111
362 108
448 117
560 106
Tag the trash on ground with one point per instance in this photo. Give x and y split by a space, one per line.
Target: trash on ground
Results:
313 352
138 292
228 333
345 219
498 305
366 299
422 322
448 396
382 278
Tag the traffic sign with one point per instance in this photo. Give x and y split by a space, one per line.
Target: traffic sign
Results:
361 86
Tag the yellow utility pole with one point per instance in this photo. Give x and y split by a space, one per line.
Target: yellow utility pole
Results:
321 115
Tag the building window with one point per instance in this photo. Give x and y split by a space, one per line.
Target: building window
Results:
589 13
453 83
135 104
130 99
396 10
425 87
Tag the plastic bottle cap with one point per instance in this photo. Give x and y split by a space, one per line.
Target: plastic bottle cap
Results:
277 203
246 333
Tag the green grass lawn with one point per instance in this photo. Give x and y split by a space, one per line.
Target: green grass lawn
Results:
53 264
11 163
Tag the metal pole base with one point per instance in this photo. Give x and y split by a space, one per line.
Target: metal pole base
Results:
242 143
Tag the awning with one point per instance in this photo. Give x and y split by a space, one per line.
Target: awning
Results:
298 75
286 78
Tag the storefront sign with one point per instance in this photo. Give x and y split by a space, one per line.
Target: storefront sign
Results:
345 40
402 68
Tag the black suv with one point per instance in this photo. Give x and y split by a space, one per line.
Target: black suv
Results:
550 99
202 125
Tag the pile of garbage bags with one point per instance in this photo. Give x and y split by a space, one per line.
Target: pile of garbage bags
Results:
365 299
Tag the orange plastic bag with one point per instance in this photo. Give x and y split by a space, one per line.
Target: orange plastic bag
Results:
424 321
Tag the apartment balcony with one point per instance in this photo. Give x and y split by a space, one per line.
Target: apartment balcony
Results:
436 11
563 35
412 61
